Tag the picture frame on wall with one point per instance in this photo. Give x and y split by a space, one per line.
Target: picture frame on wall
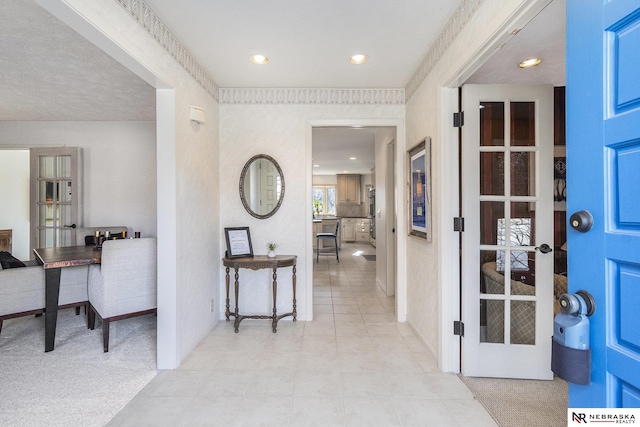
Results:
419 158
238 242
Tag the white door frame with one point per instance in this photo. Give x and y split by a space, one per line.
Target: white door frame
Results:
401 289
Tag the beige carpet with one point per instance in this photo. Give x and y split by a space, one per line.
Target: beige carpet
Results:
77 384
519 403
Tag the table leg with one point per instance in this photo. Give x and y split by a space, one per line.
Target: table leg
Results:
274 322
236 324
52 292
293 281
227 313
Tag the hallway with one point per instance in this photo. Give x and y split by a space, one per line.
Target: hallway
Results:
353 365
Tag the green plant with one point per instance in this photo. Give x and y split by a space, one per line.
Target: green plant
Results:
317 205
272 246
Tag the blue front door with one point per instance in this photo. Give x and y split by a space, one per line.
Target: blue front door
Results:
603 167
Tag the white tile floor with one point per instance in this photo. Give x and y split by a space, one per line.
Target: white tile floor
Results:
353 365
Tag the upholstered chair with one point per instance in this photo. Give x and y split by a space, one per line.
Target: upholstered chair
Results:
124 284
523 327
22 290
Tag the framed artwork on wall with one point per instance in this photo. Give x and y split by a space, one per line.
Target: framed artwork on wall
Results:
238 242
419 158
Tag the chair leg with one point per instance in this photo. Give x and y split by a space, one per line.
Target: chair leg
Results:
335 239
317 250
91 319
105 334
77 310
1 320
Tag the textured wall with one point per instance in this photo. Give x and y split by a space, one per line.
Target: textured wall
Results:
431 304
188 192
279 131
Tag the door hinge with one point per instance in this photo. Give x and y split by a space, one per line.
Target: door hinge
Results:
458 224
458 328
458 119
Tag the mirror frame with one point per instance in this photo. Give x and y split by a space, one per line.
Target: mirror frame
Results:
241 186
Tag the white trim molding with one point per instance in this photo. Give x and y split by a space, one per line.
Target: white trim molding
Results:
310 96
147 18
450 31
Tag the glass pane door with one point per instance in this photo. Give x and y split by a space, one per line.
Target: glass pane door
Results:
507 188
54 199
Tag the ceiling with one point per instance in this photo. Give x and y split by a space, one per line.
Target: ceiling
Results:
308 42
49 72
333 148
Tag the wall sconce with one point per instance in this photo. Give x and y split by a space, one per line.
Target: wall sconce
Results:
196 114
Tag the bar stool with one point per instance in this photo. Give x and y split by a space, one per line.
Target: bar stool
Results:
328 236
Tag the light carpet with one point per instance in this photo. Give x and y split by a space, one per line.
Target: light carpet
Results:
77 383
517 403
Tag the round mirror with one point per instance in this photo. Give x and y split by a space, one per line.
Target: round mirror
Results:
261 186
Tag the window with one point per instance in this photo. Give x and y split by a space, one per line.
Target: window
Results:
324 199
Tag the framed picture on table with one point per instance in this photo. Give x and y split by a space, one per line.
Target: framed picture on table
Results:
238 242
419 178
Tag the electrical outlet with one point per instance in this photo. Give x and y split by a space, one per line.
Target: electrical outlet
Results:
213 305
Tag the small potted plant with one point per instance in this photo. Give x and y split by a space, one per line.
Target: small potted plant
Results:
272 248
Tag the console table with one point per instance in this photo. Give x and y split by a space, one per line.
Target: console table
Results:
260 262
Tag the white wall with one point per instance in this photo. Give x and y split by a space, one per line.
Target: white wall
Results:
433 280
325 179
281 132
14 194
187 172
118 164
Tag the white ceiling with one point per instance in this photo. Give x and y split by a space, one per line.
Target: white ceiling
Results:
49 72
308 41
334 146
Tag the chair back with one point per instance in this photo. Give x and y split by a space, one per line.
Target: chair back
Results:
337 227
126 279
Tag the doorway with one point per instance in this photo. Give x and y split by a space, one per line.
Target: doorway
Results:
384 132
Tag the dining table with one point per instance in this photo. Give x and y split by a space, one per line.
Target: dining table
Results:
53 260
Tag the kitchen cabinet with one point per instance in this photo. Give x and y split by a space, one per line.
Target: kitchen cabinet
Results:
363 230
348 229
348 189
317 228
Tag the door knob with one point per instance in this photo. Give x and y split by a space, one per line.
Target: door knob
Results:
581 221
544 248
71 226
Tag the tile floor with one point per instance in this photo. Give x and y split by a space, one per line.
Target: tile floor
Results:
353 365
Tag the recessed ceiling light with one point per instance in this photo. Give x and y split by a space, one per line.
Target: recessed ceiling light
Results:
259 59
345 171
358 58
352 158
528 63
316 166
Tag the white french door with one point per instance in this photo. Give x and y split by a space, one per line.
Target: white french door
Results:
54 197
507 190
